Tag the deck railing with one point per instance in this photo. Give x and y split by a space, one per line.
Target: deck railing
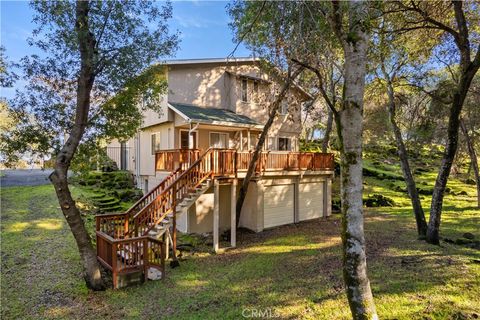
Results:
123 256
172 159
231 161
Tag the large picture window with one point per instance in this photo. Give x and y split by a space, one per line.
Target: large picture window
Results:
218 140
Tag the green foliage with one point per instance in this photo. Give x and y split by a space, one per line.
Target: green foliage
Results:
106 191
129 36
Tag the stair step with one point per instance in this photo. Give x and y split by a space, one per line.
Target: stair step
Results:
157 233
108 204
111 209
104 199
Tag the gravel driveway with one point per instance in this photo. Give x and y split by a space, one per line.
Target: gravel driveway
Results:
24 177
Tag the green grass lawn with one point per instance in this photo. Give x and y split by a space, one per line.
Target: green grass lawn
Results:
295 271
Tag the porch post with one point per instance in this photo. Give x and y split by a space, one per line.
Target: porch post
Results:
216 215
233 215
248 139
241 140
190 144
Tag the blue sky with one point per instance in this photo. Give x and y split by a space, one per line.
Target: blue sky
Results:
203 26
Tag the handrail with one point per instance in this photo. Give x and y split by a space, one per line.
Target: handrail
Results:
166 201
159 186
179 177
127 217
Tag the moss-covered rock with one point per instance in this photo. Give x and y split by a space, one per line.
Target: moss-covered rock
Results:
463 241
378 200
470 181
425 191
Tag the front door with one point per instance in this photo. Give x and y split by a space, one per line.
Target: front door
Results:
184 143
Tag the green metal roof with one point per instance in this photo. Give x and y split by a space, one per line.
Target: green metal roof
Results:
202 114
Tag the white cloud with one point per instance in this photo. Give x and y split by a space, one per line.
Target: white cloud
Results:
197 22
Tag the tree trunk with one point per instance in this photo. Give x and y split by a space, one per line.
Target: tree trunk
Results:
349 123
261 140
468 69
328 130
433 232
473 158
59 176
405 165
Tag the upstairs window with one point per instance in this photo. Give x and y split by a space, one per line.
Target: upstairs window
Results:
255 91
244 90
284 107
284 144
156 142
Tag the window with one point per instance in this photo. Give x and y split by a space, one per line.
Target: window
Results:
255 91
187 141
244 90
284 144
270 145
284 107
218 140
156 142
253 141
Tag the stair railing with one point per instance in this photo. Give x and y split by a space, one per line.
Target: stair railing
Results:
166 202
117 225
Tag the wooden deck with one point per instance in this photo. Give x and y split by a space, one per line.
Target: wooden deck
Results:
231 161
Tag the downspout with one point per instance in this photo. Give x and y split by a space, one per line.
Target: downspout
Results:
137 158
190 140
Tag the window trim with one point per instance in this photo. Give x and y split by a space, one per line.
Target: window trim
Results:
218 132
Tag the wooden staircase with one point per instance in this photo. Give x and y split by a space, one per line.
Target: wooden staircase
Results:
137 240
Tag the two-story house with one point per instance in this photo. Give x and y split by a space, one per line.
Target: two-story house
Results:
215 103
192 154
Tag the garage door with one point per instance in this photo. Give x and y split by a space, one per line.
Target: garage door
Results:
278 205
310 200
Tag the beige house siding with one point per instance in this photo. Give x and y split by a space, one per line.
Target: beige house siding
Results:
200 215
218 86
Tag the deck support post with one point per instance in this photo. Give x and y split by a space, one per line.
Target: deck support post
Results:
174 225
233 216
216 215
327 196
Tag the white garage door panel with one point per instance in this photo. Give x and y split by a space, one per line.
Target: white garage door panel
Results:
278 205
310 200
